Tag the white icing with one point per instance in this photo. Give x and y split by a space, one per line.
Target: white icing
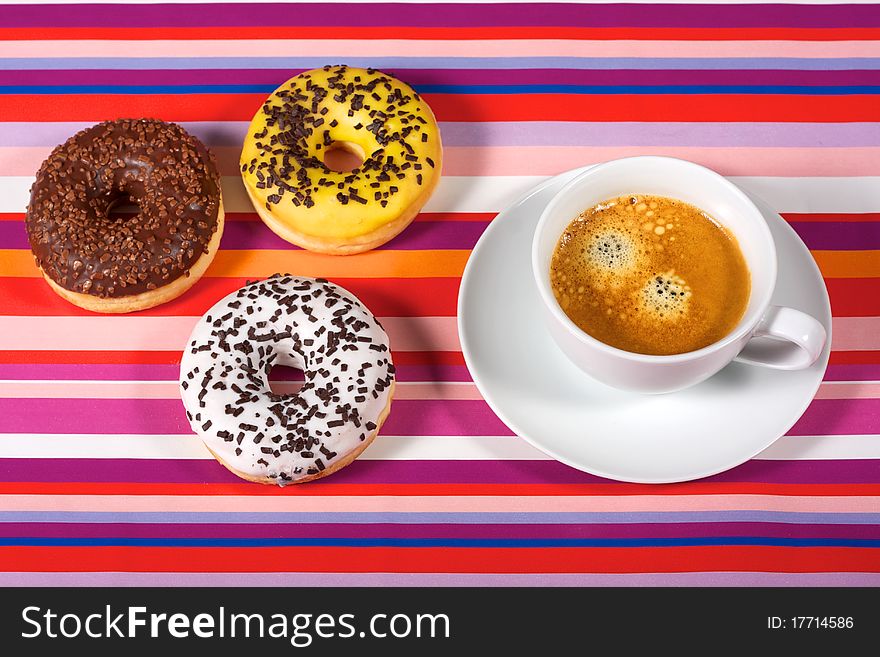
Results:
225 349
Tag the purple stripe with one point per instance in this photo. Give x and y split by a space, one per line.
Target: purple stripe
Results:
539 133
362 472
139 372
868 372
243 235
839 235
436 15
408 417
839 416
590 77
166 416
446 530
323 580
252 235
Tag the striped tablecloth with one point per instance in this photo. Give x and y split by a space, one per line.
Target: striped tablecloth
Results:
101 480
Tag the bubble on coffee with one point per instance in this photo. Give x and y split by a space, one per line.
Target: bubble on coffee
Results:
612 251
665 296
649 274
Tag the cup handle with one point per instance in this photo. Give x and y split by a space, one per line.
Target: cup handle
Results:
795 340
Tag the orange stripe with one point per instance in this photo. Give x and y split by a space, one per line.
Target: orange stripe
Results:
452 560
402 264
472 107
848 264
249 264
463 33
328 488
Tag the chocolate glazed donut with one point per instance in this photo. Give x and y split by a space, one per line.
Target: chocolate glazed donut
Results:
136 261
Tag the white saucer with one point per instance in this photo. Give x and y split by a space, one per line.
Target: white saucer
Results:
560 410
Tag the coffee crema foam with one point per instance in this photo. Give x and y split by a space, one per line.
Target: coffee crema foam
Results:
650 274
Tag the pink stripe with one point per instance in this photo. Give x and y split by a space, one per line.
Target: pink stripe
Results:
849 391
169 333
437 48
550 160
169 390
24 389
93 333
537 160
856 333
291 501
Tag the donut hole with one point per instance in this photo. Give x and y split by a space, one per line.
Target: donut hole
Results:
285 380
122 208
344 156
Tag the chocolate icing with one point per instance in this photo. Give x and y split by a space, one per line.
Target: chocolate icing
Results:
167 172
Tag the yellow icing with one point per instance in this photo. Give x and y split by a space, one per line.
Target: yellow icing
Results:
329 217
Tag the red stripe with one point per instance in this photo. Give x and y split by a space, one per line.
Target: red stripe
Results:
854 358
386 297
483 33
173 357
450 560
329 489
12 357
471 108
854 297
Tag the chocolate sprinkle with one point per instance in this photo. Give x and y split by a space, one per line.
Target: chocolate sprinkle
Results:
292 321
286 162
167 172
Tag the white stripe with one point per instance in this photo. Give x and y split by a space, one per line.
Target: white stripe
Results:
137 333
130 446
493 193
807 448
454 448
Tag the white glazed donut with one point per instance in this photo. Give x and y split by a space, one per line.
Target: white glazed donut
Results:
306 323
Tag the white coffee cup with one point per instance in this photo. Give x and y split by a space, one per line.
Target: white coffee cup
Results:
727 204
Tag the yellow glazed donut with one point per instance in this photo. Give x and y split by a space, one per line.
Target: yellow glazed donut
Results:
371 114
